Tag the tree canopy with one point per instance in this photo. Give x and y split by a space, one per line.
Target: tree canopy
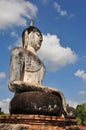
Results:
81 114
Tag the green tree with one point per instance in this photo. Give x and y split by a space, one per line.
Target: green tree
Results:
81 114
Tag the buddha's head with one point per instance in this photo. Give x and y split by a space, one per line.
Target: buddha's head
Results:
32 37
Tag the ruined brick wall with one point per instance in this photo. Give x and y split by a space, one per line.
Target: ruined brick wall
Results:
36 122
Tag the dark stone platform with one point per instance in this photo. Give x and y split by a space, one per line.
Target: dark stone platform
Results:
36 103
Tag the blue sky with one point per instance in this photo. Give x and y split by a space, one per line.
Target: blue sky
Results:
63 51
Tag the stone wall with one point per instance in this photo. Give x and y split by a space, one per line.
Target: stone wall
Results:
34 127
36 122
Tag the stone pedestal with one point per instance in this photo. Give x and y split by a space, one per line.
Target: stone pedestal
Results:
37 122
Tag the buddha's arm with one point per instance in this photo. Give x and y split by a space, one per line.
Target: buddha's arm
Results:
42 73
16 66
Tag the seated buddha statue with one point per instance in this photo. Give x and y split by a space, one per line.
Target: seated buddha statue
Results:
26 77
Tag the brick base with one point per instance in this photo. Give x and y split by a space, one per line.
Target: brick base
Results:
36 122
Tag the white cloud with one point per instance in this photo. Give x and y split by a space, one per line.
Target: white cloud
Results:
14 34
2 75
81 74
60 10
73 103
10 47
44 1
82 92
17 43
13 12
54 55
4 105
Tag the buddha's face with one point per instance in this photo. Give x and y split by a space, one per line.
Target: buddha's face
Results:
34 39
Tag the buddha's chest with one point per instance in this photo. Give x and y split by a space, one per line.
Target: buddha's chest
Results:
32 63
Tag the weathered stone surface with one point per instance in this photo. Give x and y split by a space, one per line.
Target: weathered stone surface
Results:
20 86
32 37
25 66
13 127
36 103
35 127
37 122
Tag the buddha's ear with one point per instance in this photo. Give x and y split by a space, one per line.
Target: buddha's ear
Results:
24 38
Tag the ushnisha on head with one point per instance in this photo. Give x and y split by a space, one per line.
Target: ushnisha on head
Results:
32 38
